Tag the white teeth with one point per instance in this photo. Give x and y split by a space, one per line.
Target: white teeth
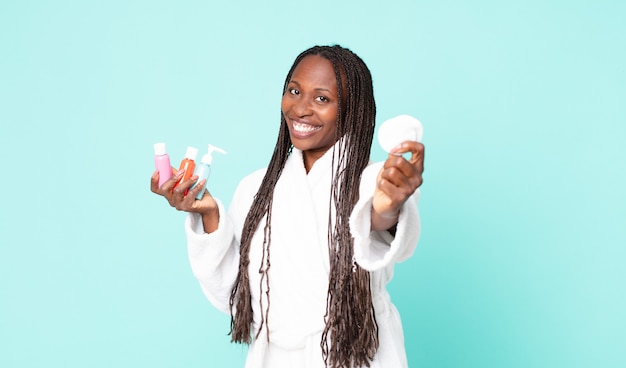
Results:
304 128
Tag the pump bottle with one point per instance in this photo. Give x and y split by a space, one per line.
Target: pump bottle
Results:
204 168
162 163
188 164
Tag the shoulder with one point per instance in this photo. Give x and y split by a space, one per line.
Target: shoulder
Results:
244 194
251 182
254 177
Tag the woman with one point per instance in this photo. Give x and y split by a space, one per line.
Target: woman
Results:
302 257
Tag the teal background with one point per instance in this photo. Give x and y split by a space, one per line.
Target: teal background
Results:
521 261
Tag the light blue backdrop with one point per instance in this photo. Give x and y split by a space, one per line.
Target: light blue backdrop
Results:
521 262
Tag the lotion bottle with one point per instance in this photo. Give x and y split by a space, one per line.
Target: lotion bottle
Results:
204 168
188 164
162 163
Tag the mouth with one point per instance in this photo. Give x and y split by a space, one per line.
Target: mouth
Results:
304 128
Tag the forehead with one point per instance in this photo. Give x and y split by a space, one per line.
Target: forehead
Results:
316 71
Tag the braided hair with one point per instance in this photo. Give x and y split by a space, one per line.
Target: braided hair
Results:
350 336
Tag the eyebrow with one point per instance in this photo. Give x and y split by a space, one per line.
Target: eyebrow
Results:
317 89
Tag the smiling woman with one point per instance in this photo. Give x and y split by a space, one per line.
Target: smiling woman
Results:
331 223
310 105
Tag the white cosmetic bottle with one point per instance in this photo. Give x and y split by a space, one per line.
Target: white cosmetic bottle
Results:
203 170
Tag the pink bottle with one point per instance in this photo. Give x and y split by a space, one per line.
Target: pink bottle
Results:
162 163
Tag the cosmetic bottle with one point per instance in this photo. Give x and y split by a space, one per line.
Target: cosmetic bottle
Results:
188 164
162 163
204 168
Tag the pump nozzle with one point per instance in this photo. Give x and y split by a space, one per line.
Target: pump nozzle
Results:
208 157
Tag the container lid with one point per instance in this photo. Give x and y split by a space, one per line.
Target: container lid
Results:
159 149
192 153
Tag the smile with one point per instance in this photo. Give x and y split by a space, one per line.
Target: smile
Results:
303 128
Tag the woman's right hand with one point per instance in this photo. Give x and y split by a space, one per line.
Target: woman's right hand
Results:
206 207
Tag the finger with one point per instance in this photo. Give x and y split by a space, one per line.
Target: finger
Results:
199 188
403 175
182 198
406 146
399 163
395 194
416 148
154 182
190 202
415 168
178 189
187 184
417 159
396 175
169 184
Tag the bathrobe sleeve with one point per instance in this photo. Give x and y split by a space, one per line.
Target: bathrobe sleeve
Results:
374 250
214 257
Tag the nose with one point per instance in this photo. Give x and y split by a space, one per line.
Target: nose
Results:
302 107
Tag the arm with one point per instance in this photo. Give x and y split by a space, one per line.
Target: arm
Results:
211 242
214 257
385 222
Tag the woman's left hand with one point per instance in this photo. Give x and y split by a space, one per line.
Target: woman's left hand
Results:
397 180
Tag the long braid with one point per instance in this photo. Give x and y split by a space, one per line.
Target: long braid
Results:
240 297
350 337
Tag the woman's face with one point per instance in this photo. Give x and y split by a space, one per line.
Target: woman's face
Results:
310 104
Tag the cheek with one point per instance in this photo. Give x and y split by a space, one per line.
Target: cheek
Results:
284 104
331 115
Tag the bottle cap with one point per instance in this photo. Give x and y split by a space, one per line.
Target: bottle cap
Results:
159 149
192 153
208 157
399 129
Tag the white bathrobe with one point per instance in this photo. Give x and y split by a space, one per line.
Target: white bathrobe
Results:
299 263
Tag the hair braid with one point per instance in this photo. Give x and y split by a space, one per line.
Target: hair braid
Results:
240 298
350 337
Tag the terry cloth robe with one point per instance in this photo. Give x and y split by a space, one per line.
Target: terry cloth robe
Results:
299 263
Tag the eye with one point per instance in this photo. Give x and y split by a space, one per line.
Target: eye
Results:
322 99
294 91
